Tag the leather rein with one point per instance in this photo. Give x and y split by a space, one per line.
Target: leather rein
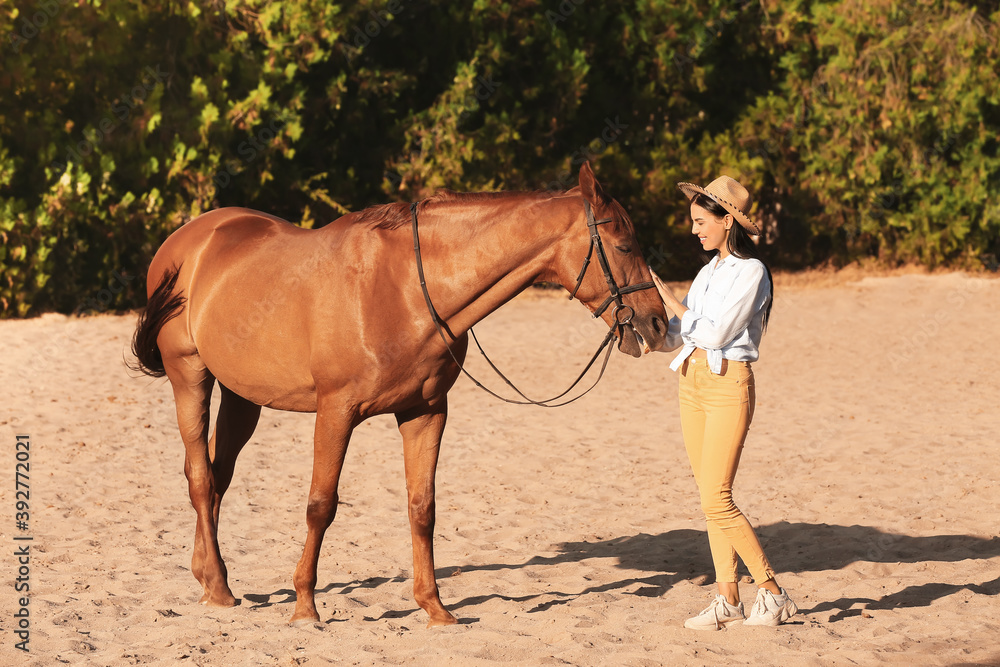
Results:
622 313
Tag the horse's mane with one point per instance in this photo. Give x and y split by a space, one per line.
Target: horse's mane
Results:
397 214
385 216
451 195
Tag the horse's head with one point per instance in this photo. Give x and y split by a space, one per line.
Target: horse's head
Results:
603 223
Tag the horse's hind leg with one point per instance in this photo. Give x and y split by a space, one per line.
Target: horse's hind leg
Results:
233 427
192 384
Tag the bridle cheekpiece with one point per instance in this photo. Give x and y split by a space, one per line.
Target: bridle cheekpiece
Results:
616 292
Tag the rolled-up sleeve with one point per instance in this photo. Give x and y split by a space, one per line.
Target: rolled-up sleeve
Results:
673 339
738 308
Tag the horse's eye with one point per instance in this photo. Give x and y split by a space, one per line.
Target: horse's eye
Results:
624 249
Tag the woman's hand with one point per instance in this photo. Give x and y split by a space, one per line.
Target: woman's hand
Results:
669 300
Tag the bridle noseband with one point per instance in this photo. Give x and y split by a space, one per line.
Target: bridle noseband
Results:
615 296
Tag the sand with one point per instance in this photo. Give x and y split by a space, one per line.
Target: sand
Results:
567 536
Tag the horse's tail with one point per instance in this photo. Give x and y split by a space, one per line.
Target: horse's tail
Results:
163 306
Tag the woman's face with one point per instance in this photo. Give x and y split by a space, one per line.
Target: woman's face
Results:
712 231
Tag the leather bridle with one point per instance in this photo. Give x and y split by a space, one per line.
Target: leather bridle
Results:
602 258
615 297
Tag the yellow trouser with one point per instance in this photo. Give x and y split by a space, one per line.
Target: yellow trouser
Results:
715 415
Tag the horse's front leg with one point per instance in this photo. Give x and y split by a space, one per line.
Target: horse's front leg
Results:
333 432
421 429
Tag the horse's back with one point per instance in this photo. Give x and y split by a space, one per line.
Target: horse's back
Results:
227 228
231 252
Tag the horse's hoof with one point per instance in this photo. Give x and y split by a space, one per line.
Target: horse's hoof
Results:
218 600
303 622
443 621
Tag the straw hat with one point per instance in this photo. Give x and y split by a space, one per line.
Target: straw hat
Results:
731 196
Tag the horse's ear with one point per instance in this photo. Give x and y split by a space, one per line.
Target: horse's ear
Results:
592 190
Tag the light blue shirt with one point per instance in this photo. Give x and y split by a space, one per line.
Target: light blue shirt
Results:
725 316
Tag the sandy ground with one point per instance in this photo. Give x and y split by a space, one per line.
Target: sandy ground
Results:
568 536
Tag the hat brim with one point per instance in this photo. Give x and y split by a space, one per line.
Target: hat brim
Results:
690 190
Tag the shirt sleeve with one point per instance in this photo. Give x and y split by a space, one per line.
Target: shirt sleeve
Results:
738 309
673 339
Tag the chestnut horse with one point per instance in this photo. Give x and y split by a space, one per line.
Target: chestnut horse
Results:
334 321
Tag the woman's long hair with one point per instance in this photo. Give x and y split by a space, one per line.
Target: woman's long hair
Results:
739 244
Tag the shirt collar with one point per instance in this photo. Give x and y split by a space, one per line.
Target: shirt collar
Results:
732 260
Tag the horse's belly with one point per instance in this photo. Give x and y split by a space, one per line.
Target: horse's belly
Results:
297 400
262 376
258 349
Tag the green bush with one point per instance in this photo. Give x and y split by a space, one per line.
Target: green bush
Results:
866 129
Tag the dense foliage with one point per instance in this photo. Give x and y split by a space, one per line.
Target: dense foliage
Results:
867 129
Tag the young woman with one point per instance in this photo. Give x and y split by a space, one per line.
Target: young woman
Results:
719 323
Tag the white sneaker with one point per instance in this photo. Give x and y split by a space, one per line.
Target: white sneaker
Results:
770 609
717 615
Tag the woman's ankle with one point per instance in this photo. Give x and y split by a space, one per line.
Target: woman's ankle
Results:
730 591
771 586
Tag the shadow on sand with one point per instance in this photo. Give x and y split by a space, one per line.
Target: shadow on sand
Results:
683 554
